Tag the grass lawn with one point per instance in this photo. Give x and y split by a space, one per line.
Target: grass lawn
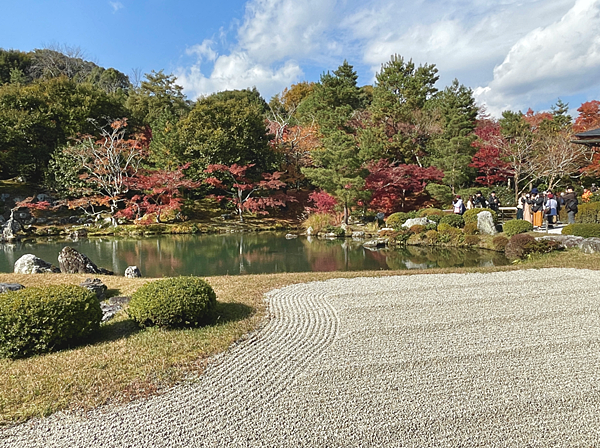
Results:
123 363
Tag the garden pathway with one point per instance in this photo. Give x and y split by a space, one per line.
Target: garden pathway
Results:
505 359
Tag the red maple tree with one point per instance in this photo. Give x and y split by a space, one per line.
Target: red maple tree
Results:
390 183
244 193
493 169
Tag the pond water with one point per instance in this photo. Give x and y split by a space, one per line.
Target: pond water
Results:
245 253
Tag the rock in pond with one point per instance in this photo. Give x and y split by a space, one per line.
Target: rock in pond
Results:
73 262
133 272
30 264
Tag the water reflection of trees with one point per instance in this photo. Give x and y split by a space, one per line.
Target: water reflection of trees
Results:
170 255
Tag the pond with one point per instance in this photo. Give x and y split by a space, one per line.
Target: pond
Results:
245 253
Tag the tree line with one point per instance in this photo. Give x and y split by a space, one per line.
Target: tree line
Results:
91 135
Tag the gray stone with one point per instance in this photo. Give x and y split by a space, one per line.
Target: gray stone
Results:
590 245
565 241
358 234
133 272
96 286
119 300
10 228
75 235
377 242
30 264
485 223
290 236
310 231
5 287
73 262
417 222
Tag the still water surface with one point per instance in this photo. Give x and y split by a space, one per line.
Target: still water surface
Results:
245 253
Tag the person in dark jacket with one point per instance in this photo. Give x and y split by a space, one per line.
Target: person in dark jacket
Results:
479 200
571 204
537 208
494 202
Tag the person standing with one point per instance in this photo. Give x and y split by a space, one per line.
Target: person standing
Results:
571 204
537 208
521 206
493 202
470 203
550 210
458 206
479 200
527 215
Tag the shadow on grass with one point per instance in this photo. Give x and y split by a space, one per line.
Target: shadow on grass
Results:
229 312
115 329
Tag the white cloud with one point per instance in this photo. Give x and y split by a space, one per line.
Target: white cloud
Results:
116 6
560 59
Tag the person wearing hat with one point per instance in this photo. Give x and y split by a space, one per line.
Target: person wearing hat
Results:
550 209
571 204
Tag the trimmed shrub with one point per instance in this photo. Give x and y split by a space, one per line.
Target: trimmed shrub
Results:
432 226
39 320
417 228
471 228
432 236
584 230
337 231
471 215
453 220
521 245
433 214
443 227
499 242
588 213
403 235
515 226
472 240
399 218
173 302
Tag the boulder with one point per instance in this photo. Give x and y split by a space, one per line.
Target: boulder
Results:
290 236
96 286
590 245
358 234
417 222
75 235
5 287
30 264
133 272
565 241
10 229
377 242
73 262
485 223
310 231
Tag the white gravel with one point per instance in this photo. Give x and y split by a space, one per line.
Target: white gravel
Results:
508 359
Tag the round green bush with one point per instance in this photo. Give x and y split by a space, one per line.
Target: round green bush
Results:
39 320
471 215
453 220
515 226
584 230
173 302
397 219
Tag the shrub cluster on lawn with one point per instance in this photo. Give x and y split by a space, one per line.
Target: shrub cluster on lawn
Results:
39 320
515 226
396 220
584 230
588 213
173 302
453 220
521 245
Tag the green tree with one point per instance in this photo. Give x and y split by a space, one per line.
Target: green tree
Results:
13 64
337 166
159 104
226 128
452 150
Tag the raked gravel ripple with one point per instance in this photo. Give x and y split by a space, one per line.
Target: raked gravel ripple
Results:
507 359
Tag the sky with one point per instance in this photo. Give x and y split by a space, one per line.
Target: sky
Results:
515 55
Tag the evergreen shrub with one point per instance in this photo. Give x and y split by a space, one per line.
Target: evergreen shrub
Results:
499 242
521 245
588 213
38 320
515 226
432 236
396 220
318 221
470 228
453 220
337 231
433 214
417 228
584 230
173 302
471 215
472 240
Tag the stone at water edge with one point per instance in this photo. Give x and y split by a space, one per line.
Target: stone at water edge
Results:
5 287
417 222
358 234
310 231
133 272
96 286
485 223
73 262
30 264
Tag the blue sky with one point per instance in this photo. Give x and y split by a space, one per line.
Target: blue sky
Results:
514 54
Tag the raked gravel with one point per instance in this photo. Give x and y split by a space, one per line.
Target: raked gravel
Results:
506 359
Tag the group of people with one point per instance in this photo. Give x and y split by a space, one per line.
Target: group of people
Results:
477 201
535 206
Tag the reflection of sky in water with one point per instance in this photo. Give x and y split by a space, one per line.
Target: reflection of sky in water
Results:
246 253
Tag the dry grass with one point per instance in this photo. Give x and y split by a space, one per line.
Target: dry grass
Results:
124 363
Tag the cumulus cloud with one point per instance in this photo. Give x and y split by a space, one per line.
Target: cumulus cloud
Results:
562 58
